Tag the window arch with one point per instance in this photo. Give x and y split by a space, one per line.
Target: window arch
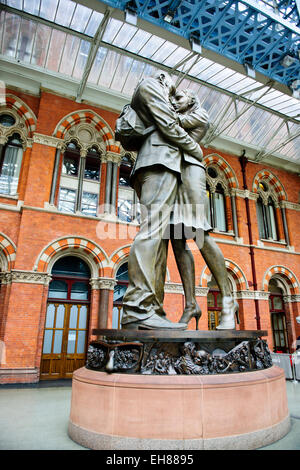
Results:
11 156
216 189
77 173
266 212
67 318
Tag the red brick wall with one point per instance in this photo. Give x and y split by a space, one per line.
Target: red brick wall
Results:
23 305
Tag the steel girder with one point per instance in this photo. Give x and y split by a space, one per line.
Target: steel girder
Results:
241 30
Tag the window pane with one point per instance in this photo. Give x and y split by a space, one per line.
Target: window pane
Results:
278 304
210 300
272 222
261 219
60 316
10 170
119 292
58 290
47 341
71 342
220 212
117 312
71 266
83 317
122 274
73 316
70 165
57 342
50 316
81 342
89 203
92 168
79 291
67 199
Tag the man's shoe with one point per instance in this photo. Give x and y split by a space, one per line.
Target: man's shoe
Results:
155 322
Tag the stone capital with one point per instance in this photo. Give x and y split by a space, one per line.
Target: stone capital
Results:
48 140
111 157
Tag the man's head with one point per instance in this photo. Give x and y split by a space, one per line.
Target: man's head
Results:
183 100
166 81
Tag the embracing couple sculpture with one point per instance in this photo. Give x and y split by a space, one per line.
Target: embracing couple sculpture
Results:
169 179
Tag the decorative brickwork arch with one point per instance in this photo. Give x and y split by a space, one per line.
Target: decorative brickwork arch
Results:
234 271
286 274
25 118
229 175
273 181
92 253
8 250
117 258
88 117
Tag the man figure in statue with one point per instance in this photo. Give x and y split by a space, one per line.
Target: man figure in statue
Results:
155 178
190 212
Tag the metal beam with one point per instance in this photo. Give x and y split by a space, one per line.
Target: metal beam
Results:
93 52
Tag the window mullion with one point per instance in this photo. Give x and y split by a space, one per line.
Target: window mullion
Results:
80 180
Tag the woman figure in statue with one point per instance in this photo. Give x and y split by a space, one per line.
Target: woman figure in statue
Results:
189 221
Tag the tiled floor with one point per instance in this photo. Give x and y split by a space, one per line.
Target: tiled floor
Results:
36 418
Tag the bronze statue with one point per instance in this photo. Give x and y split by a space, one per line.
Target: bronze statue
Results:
155 178
169 180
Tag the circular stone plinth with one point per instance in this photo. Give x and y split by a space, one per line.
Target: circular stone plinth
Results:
138 412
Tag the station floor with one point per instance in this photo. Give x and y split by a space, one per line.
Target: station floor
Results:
35 417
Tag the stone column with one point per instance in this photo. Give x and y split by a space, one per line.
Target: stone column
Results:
234 216
106 285
285 227
112 161
83 153
55 176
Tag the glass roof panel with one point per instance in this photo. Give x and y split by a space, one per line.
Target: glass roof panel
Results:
126 32
112 29
138 41
48 9
81 17
93 23
151 46
55 50
81 59
97 65
63 52
64 13
69 55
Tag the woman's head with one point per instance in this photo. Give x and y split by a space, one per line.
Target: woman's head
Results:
182 100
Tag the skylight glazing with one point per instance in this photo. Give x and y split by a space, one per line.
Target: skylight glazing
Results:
66 53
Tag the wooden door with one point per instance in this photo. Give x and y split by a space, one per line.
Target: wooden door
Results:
65 339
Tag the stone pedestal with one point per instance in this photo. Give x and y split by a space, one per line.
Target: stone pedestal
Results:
180 412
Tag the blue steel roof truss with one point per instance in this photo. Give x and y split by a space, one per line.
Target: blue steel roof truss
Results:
232 28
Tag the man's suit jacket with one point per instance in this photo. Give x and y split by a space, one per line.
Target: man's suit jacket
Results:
169 143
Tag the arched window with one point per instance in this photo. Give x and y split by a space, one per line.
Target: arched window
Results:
66 324
119 291
80 180
216 207
278 318
11 155
127 199
266 213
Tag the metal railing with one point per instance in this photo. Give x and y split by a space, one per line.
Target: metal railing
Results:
290 363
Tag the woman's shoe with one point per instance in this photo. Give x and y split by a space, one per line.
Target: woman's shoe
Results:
230 310
191 312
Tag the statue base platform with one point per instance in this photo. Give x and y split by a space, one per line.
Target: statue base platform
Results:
116 411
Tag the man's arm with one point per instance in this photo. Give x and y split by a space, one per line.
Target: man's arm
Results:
165 118
197 118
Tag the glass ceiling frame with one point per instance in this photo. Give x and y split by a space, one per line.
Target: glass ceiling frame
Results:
123 50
